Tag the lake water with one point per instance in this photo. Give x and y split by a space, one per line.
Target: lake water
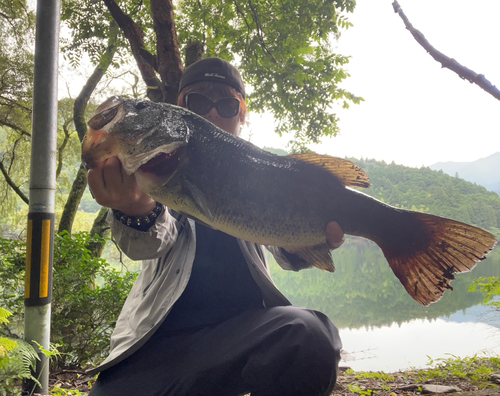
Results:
381 327
402 346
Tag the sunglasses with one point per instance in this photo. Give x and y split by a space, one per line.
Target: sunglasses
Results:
201 104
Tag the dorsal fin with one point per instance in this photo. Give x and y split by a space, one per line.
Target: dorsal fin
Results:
350 174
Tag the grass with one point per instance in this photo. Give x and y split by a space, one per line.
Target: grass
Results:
466 374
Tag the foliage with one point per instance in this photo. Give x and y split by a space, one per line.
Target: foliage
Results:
276 151
465 374
475 369
283 49
285 56
89 23
16 92
17 360
434 192
16 60
83 315
57 391
12 264
88 204
490 287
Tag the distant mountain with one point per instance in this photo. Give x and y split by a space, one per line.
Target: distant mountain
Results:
434 192
484 171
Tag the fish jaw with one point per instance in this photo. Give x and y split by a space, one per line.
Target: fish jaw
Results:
134 130
98 145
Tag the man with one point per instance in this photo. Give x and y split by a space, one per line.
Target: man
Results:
204 316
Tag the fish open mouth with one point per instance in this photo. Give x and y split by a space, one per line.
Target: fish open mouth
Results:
163 165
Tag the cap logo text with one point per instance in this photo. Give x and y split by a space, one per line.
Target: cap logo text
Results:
214 75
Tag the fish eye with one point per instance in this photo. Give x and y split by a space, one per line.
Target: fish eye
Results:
141 105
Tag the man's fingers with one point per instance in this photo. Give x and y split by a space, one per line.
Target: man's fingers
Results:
106 181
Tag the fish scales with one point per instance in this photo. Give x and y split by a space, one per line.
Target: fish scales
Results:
193 167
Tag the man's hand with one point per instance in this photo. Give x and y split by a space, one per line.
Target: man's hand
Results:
334 235
113 188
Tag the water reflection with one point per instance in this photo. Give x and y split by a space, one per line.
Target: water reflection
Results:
376 315
399 347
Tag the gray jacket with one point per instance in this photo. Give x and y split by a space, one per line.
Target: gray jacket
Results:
167 250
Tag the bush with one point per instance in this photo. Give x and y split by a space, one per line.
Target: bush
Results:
12 264
17 359
87 296
490 287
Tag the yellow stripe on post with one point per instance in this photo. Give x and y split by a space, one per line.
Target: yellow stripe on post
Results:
27 282
44 260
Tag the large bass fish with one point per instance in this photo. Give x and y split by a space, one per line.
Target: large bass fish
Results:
195 168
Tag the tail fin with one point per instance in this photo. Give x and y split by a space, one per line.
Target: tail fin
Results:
452 247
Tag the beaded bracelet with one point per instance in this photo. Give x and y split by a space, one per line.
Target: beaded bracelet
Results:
140 223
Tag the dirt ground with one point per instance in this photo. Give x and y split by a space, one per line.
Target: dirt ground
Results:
348 384
408 383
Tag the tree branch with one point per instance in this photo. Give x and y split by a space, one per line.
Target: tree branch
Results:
260 32
194 52
60 150
11 183
169 60
73 200
15 128
5 16
80 182
83 98
15 104
135 37
445 61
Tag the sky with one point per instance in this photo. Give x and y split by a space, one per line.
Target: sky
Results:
415 112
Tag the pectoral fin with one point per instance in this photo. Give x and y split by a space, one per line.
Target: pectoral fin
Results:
350 174
319 256
198 199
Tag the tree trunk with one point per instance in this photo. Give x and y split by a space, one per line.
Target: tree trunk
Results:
83 98
80 182
73 201
167 61
194 52
168 55
101 228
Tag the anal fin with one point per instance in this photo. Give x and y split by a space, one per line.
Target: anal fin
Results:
319 256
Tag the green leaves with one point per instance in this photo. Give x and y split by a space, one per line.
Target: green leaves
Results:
83 315
284 49
490 287
17 359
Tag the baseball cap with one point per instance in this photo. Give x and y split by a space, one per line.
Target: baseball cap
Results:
213 70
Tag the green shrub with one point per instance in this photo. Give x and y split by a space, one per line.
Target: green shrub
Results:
17 360
12 264
490 287
87 297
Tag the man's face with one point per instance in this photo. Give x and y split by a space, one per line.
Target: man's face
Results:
230 125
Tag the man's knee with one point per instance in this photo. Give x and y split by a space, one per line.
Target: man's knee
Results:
314 330
301 356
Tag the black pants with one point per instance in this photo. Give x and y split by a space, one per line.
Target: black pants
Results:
269 352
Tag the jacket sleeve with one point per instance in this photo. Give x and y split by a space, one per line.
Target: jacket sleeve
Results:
288 261
145 245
